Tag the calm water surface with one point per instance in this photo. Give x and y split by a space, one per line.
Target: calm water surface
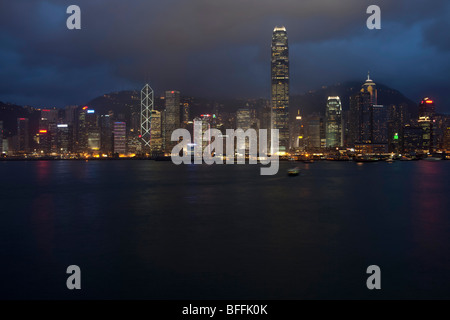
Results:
153 230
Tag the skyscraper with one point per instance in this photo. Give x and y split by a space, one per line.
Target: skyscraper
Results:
156 141
361 114
23 137
64 138
333 123
379 124
172 118
427 111
146 115
120 133
280 86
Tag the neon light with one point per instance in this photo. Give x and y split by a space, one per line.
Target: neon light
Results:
91 111
45 110
42 131
84 108
429 101
62 125
21 119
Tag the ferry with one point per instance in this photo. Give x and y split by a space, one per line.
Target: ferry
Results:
293 172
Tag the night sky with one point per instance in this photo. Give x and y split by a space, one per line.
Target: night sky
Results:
218 48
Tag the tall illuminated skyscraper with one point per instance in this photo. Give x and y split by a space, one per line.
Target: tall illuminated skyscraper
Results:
146 115
427 110
172 118
120 133
280 86
333 131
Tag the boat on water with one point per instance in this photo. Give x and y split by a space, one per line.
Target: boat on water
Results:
432 158
293 172
390 160
366 159
308 161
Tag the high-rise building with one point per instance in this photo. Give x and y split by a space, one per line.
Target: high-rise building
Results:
64 138
280 86
106 134
51 115
398 116
243 119
313 132
185 113
172 118
446 144
333 123
361 114
120 134
412 139
94 139
23 136
298 133
156 133
147 106
379 124
427 110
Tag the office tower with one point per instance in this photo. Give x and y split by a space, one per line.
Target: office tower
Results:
1 138
265 117
63 138
244 122
398 116
313 131
51 115
440 124
147 106
92 134
81 132
361 114
426 122
120 133
379 124
71 115
172 118
106 134
243 119
298 132
446 144
94 139
156 144
280 86
23 136
185 113
412 139
333 123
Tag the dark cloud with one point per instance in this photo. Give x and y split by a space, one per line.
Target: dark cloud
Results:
216 48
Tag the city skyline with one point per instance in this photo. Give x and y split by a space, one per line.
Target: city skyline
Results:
233 54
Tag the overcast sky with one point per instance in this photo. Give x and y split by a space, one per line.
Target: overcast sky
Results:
218 48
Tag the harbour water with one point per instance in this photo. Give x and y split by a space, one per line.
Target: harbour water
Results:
154 230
